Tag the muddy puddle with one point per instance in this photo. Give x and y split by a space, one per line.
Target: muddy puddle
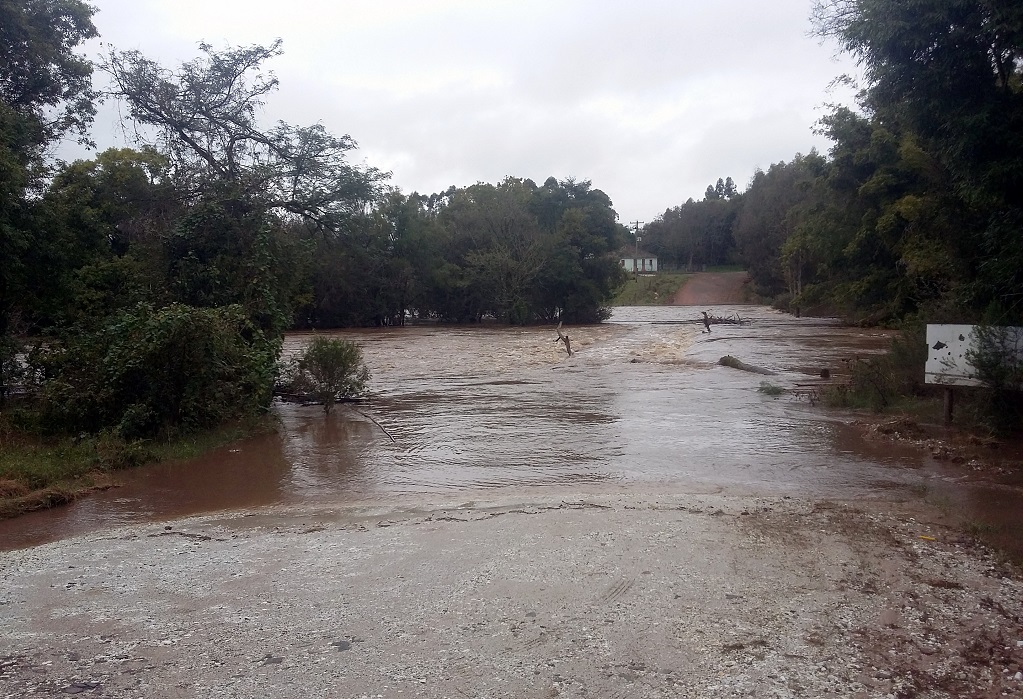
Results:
642 405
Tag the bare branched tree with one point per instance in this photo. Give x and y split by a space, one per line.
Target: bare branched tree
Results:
204 114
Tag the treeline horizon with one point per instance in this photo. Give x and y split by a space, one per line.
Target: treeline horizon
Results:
917 208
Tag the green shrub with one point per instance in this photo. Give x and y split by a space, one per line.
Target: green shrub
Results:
329 369
147 371
769 389
998 358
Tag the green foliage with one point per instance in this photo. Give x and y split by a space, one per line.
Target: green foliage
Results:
38 471
146 372
38 465
998 358
767 219
650 290
329 369
205 111
927 185
769 389
697 233
45 95
44 81
872 386
514 252
251 196
12 370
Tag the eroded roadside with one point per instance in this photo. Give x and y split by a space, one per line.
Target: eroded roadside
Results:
609 596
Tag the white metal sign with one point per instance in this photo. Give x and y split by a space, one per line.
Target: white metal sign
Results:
947 364
948 348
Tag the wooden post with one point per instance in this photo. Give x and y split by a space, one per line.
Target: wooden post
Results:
949 404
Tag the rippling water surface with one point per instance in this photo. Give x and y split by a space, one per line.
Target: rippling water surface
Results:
642 404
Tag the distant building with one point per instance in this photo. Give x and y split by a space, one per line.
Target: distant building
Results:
638 261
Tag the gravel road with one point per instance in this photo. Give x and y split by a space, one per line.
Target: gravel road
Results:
627 595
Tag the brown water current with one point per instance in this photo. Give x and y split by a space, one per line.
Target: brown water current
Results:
643 404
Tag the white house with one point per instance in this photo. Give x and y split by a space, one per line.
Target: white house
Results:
638 261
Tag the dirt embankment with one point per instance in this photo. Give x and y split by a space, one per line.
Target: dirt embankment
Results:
712 288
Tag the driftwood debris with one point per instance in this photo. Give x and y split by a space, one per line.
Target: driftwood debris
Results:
730 361
564 339
373 420
734 319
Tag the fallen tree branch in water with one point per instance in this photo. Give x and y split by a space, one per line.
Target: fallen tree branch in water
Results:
734 319
373 420
564 338
730 361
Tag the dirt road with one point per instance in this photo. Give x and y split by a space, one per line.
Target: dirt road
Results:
711 288
624 595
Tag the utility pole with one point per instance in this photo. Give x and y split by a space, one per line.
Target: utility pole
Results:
635 259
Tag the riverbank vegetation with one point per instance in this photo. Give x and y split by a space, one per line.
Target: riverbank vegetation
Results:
43 470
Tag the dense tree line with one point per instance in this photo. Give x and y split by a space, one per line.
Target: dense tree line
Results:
159 280
918 205
514 251
697 233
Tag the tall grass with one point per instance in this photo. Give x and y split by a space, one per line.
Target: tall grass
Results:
650 290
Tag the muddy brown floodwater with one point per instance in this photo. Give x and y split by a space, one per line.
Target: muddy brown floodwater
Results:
641 403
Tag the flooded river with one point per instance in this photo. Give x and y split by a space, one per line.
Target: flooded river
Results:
643 404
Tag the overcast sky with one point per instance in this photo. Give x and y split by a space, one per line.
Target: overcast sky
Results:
651 100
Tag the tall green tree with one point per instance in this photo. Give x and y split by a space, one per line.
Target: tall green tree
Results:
242 184
695 233
767 218
45 94
105 220
951 73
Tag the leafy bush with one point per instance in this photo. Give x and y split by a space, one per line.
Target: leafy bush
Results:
998 358
145 372
873 382
330 369
770 389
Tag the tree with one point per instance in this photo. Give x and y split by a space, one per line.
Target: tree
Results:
43 83
45 94
205 113
244 188
766 218
105 220
331 369
950 72
148 372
